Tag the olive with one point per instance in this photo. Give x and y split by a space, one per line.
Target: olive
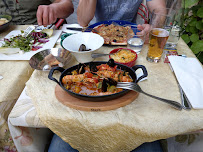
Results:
44 35
114 40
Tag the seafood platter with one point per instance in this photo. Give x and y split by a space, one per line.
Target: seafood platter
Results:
96 81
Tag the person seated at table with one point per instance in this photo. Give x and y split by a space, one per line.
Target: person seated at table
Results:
58 145
114 10
41 12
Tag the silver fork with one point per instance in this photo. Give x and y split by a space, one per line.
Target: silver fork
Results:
135 87
28 31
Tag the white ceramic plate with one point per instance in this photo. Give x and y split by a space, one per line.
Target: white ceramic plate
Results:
28 55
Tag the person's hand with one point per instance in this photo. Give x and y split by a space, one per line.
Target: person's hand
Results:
144 28
46 15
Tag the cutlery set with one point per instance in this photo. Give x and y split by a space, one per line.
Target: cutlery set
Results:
135 87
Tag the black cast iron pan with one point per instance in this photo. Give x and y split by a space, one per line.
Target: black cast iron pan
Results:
103 97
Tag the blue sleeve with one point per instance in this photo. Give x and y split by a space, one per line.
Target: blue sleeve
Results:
149 0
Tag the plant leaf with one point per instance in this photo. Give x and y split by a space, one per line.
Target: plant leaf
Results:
200 12
187 29
194 37
193 22
193 29
200 57
186 38
189 3
197 46
199 25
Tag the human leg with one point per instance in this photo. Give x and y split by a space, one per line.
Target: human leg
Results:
58 145
149 147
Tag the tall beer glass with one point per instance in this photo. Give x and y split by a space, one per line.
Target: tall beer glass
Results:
161 23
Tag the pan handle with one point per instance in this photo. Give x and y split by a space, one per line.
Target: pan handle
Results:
52 72
145 74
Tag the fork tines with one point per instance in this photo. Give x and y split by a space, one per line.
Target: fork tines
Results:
28 31
126 85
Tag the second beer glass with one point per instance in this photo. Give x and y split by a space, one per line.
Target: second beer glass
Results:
160 23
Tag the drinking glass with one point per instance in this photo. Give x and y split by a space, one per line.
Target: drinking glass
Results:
161 23
135 41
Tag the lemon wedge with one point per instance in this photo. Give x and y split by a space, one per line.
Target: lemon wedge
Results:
49 32
5 50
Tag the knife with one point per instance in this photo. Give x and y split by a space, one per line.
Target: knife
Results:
75 28
82 29
184 100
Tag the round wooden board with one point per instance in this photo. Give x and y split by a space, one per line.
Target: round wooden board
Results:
83 105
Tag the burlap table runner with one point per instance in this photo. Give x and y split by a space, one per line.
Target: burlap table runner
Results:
123 129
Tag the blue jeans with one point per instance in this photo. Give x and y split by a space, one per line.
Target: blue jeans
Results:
58 145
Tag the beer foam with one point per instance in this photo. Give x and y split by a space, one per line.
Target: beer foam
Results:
161 32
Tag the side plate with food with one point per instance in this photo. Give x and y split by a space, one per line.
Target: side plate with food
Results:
114 32
10 53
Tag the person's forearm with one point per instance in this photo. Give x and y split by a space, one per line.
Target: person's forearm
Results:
156 4
85 11
63 8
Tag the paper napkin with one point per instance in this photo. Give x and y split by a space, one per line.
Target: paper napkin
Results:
189 73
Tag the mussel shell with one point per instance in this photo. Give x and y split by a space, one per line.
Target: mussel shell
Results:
111 63
111 81
104 85
82 47
107 82
93 67
81 68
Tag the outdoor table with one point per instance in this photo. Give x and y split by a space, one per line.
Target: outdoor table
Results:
122 129
15 74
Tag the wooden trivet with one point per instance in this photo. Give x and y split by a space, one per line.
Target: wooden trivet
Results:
83 105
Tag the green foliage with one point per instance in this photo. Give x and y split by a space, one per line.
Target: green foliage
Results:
192 25
189 3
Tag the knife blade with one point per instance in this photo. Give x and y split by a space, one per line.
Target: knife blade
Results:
82 29
75 28
184 100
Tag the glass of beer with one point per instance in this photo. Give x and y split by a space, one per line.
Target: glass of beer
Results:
161 23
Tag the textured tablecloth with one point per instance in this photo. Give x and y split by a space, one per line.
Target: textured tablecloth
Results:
123 129
11 86
27 130
15 74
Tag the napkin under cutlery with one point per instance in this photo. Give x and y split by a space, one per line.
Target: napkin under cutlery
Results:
189 73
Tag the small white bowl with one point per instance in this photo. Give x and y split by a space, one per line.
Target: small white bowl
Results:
73 42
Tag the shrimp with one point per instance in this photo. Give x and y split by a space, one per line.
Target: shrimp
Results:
72 78
106 73
125 79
